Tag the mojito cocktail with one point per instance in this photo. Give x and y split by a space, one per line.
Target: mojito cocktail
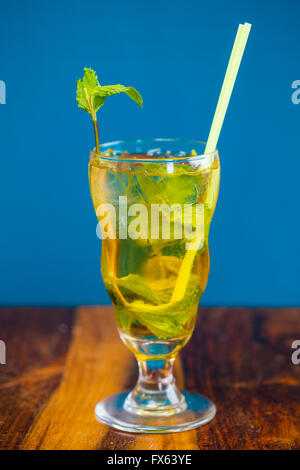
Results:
154 200
156 192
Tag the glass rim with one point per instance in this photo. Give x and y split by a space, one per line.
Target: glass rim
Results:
153 159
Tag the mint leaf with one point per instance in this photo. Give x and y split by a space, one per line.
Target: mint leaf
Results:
150 190
173 189
90 96
134 286
161 270
124 318
181 189
86 90
108 90
164 320
165 325
132 257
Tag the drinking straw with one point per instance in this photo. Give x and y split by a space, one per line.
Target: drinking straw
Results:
228 84
227 87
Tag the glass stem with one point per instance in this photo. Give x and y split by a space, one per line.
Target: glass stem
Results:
155 392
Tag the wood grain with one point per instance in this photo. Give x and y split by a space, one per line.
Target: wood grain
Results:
240 358
36 346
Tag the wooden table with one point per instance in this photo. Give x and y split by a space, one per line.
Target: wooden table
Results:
61 361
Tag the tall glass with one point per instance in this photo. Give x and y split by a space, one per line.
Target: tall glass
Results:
154 200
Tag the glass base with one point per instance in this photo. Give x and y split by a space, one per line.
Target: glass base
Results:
115 412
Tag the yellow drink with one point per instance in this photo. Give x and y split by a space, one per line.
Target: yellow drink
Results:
155 283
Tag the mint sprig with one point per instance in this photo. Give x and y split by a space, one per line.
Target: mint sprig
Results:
90 96
108 90
163 320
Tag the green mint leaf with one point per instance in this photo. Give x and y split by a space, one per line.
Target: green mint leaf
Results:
90 96
87 89
134 259
163 320
173 189
133 286
182 189
150 190
124 318
168 321
108 90
81 97
98 101
90 80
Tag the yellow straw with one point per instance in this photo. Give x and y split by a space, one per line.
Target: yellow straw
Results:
228 84
227 87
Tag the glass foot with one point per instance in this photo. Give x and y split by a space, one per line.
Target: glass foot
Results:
115 412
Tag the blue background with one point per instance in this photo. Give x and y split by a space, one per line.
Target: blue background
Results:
175 53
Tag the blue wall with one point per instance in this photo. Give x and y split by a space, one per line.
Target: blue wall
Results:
175 53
